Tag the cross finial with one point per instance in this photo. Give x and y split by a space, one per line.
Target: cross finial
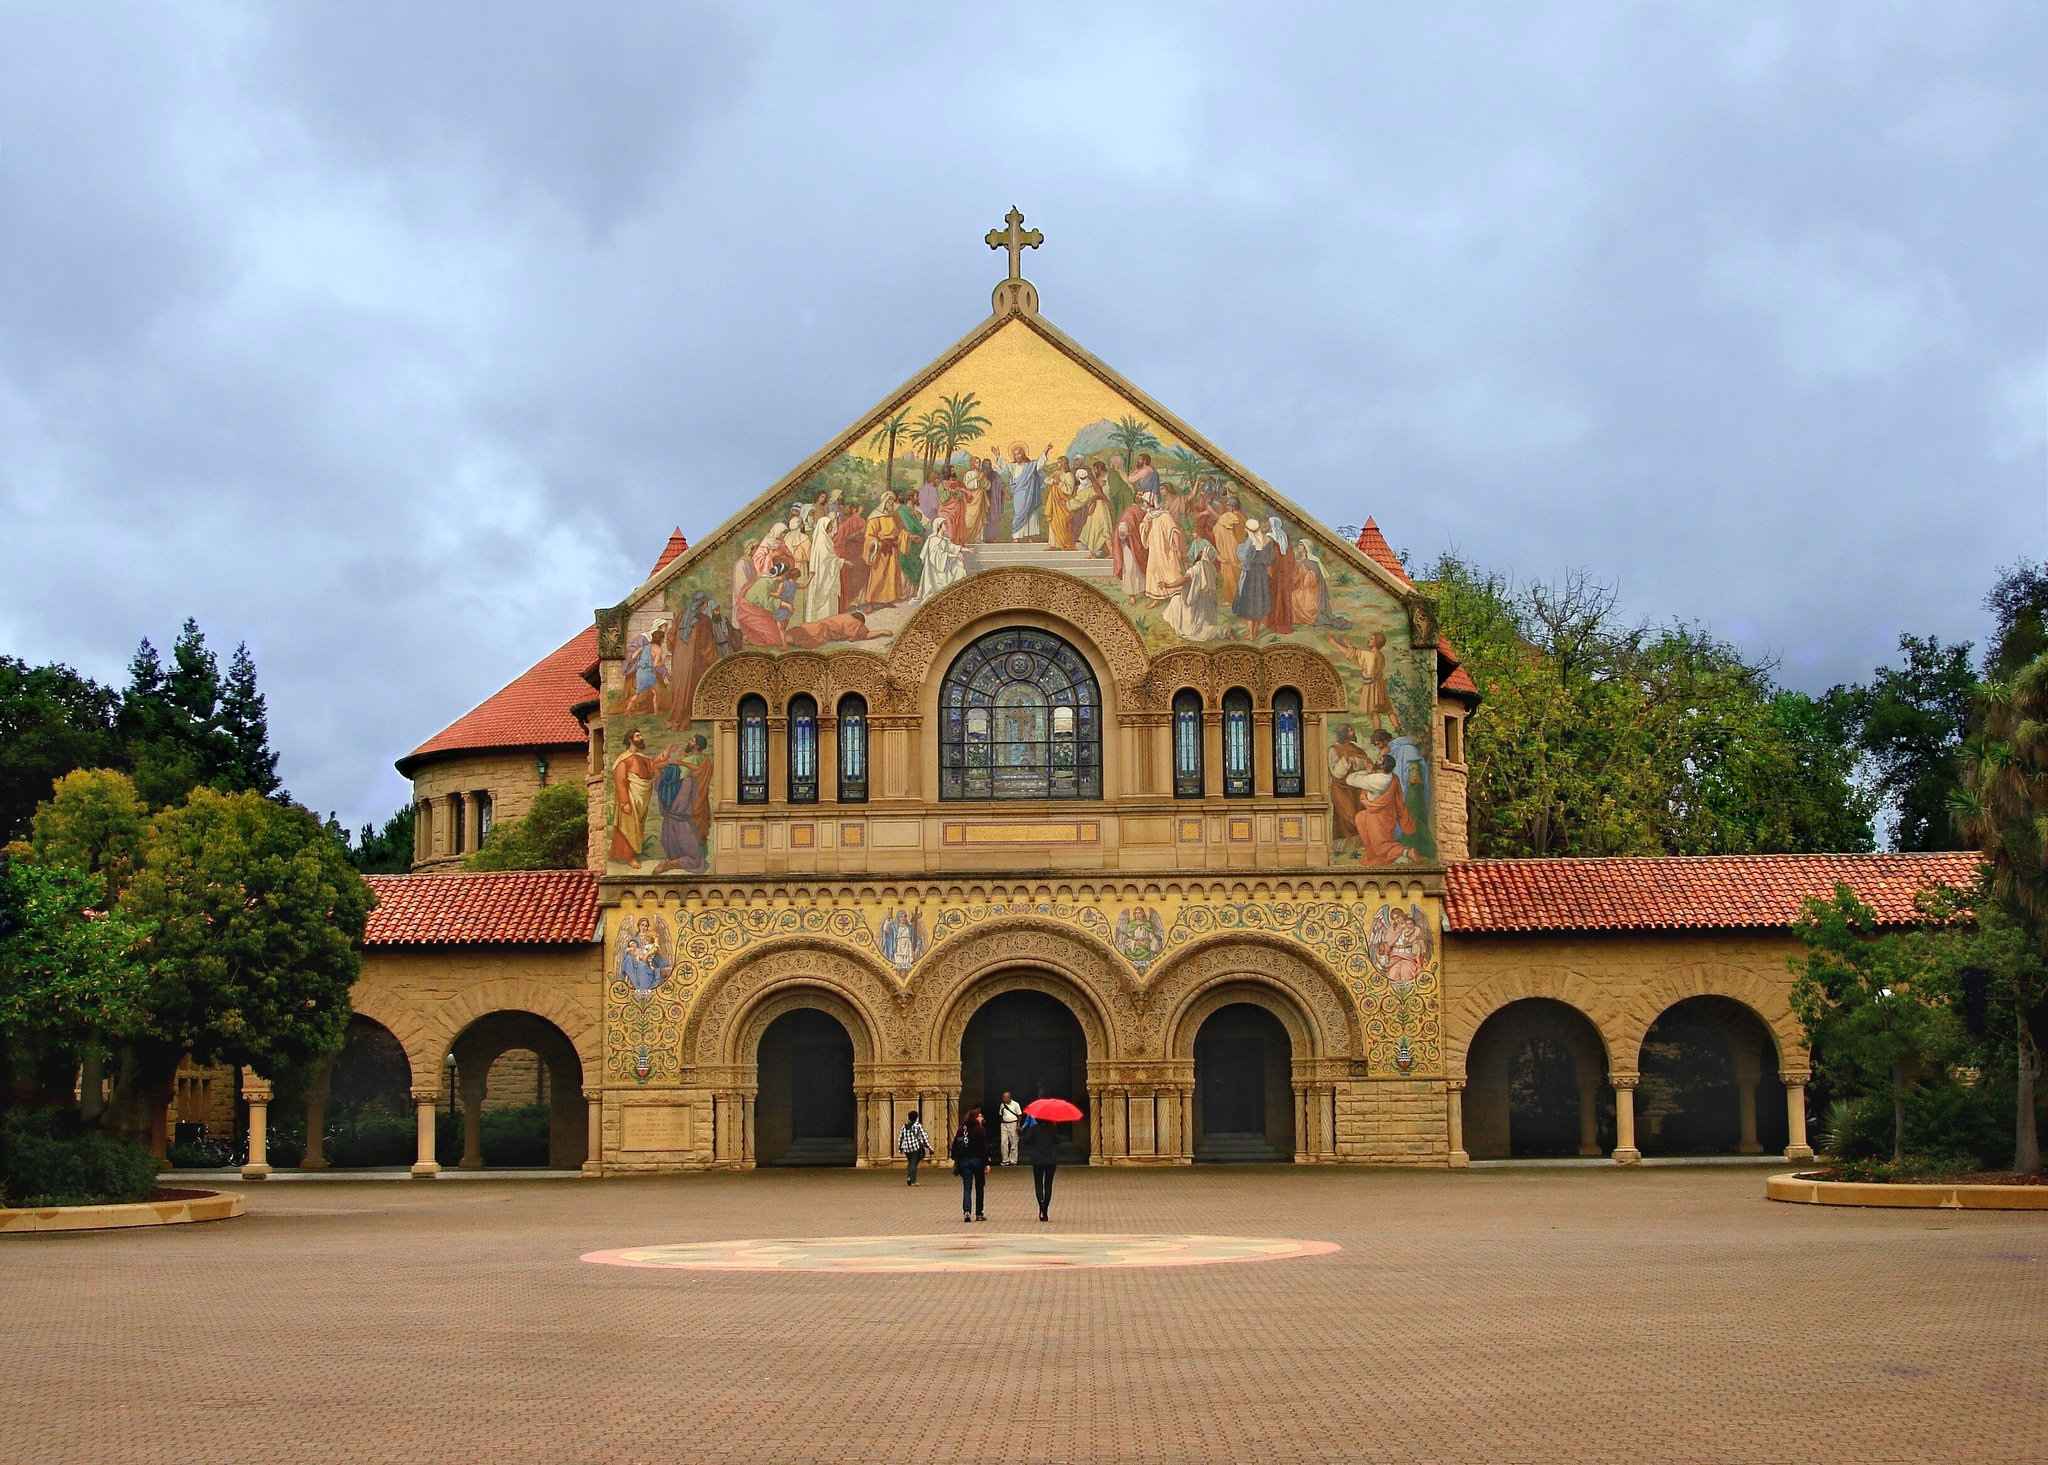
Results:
1015 238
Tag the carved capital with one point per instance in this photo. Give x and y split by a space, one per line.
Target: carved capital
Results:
1624 1080
593 1092
1793 1078
426 1096
255 1090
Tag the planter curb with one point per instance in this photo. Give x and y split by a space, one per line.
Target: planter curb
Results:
204 1206
1801 1189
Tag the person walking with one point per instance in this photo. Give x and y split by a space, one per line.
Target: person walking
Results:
970 1163
914 1143
1009 1114
1042 1149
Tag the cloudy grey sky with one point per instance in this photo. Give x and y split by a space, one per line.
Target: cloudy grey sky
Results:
393 338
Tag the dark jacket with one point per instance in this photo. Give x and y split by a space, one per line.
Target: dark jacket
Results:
970 1142
1040 1144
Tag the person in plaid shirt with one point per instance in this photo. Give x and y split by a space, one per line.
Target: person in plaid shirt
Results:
914 1143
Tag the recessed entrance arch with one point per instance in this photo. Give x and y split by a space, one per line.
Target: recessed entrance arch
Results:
477 1047
1710 1082
359 1109
805 1113
1244 1090
1537 1084
1030 1044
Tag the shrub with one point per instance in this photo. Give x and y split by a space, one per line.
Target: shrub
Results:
51 1159
1950 1127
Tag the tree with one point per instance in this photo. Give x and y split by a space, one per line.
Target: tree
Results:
52 720
553 834
245 718
94 822
256 918
2019 601
1187 467
1910 723
1131 437
1873 1015
960 422
187 726
885 438
67 964
386 851
1604 738
929 434
2002 805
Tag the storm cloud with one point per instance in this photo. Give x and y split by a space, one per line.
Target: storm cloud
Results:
394 338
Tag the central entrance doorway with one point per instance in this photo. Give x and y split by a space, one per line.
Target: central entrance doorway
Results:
1031 1045
1244 1087
804 1113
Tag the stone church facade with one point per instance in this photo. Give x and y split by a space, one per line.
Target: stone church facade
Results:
1020 739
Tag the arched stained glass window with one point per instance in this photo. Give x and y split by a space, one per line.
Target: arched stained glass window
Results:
1187 744
1287 771
853 749
753 751
803 749
1237 743
1020 717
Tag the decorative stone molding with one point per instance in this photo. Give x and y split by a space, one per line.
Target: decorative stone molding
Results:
438 1026
1016 952
1653 996
1581 993
1307 998
1008 592
715 1031
1212 671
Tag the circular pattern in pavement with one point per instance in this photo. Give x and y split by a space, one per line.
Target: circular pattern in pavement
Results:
1022 1252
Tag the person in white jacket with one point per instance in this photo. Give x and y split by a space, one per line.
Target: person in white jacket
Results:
1009 1114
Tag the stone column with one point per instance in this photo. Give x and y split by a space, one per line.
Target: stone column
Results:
1589 1112
1748 1074
1796 1146
1303 1148
593 1162
470 1081
316 1119
425 1167
1454 1095
1625 1151
257 1092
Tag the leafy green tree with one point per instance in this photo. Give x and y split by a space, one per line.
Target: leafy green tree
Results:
884 438
961 422
2019 601
256 919
553 834
928 433
68 965
95 822
1910 723
1603 738
1872 1005
2003 806
385 851
1130 436
52 720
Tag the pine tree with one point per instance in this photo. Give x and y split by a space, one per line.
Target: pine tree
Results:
245 719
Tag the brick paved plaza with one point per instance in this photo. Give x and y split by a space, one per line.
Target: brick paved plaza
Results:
1660 1314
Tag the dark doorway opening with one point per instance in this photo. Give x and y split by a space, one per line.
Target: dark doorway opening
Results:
1537 1085
804 1111
1710 1083
1244 1087
1031 1045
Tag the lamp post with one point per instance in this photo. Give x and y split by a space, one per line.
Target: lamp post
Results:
449 1063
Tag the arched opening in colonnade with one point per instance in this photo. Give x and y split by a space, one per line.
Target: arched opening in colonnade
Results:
1710 1082
359 1110
535 1116
1244 1087
1030 1044
1536 1084
805 1113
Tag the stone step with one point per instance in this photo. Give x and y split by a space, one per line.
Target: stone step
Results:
816 1153
1238 1149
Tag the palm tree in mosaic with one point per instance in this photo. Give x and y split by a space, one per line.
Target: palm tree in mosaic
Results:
2003 805
1187 467
963 423
1132 437
884 438
928 433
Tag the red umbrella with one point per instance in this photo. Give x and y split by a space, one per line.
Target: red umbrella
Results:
1052 1111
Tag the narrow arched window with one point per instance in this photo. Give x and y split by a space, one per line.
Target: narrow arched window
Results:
753 751
1187 744
1287 762
803 750
1237 743
458 821
853 749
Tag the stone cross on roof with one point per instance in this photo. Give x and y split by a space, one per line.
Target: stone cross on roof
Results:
1015 293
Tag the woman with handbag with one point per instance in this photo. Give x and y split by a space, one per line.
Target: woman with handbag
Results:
970 1163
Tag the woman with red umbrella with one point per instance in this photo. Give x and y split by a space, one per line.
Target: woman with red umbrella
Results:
1042 1146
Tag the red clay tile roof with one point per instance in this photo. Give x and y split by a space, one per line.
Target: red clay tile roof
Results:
532 712
676 545
514 908
1373 545
1456 680
1683 892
